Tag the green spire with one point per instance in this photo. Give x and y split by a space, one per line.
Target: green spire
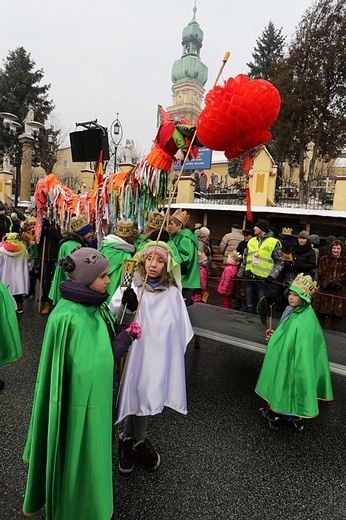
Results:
190 67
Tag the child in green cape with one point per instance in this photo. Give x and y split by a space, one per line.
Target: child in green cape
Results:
295 373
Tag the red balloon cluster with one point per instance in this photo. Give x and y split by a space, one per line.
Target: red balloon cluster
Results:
238 115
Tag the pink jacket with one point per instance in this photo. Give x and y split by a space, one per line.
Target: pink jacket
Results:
225 286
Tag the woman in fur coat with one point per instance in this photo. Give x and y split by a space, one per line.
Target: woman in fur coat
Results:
331 298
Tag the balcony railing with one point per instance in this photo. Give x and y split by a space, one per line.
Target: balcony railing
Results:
224 197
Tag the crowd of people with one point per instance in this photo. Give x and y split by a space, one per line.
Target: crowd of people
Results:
114 346
270 261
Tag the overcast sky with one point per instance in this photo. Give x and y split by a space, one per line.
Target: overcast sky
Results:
107 56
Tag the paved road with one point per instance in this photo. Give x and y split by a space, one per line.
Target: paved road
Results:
218 462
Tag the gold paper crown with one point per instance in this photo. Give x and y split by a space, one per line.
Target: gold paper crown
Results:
124 228
235 256
287 231
155 219
305 284
182 216
78 222
202 257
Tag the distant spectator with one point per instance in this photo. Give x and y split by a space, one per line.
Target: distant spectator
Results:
325 248
226 285
331 299
5 222
275 231
230 241
343 240
15 223
14 268
315 242
262 264
204 261
287 242
247 234
50 238
303 259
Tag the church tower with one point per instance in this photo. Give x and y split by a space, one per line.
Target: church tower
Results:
189 74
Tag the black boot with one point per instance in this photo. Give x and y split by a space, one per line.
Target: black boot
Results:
32 288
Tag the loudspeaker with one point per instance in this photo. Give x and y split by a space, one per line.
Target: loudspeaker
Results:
87 144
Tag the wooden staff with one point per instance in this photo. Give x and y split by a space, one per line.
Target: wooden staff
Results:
170 199
224 61
41 274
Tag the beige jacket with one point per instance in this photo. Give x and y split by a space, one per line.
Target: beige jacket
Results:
230 242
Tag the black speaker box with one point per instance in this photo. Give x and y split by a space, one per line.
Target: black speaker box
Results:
87 144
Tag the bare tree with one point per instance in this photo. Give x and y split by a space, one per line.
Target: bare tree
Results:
311 81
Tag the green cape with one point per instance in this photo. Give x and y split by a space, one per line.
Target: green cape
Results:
10 348
69 441
295 371
186 243
116 258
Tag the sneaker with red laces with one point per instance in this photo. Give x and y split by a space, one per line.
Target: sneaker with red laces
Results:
126 457
146 455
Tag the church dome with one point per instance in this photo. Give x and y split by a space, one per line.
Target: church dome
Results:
192 30
189 68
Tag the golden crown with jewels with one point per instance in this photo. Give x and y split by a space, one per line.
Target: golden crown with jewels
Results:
182 216
124 228
155 219
79 222
305 283
287 231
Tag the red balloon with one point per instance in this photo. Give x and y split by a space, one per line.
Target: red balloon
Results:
238 115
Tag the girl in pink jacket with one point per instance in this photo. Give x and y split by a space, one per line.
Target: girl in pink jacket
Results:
226 284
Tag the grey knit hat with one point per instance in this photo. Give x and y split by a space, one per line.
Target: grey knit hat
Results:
315 240
203 232
84 265
303 234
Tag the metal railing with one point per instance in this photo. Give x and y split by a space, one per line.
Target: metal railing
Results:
224 197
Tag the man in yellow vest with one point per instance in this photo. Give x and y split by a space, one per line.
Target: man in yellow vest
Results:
262 263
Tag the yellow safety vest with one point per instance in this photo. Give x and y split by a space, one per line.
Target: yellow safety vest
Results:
259 258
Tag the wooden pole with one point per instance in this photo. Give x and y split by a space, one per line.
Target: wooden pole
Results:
41 275
170 199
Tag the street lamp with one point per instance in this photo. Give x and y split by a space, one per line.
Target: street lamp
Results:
51 142
116 137
11 123
23 147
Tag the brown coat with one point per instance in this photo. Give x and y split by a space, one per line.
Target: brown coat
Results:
331 300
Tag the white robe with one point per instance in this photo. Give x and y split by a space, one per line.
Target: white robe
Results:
14 271
155 368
